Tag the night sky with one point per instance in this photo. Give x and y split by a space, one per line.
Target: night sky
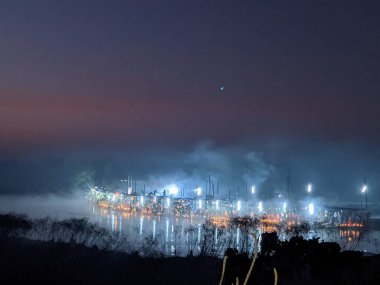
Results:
160 85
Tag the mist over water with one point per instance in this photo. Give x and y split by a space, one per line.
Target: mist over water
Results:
47 205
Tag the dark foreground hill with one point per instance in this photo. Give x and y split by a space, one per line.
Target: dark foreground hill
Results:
61 257
30 262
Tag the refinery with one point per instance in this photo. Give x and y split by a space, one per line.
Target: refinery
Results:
172 202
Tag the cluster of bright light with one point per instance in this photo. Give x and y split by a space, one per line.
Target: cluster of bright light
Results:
217 204
253 190
311 209
351 225
271 219
238 205
173 190
220 221
261 208
104 204
109 200
309 188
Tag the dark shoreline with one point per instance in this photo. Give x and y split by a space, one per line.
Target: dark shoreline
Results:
75 251
36 262
26 261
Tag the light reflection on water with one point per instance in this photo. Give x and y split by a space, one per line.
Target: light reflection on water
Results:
143 224
172 228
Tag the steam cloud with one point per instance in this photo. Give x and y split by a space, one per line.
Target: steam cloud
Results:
231 168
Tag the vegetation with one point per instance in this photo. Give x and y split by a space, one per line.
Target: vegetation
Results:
55 245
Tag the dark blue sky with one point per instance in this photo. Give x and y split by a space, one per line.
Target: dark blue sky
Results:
300 78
